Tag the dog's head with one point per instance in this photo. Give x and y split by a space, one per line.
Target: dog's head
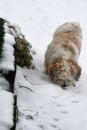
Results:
69 27
65 72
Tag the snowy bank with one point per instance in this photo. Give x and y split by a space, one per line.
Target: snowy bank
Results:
6 110
48 106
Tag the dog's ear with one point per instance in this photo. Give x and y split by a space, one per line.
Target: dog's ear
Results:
52 76
54 69
75 69
78 73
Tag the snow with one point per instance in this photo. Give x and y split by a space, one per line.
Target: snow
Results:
42 104
49 105
6 110
4 84
7 59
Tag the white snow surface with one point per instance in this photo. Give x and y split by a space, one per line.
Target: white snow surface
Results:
50 107
6 110
4 84
43 105
7 59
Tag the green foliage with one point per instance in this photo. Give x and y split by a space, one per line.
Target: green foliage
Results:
23 55
1 35
22 47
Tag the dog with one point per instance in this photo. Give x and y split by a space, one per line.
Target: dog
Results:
61 57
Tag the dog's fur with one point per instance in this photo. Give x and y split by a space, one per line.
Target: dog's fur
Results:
61 58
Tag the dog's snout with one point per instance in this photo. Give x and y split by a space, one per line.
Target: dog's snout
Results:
63 85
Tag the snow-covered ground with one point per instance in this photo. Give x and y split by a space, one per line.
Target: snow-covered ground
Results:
42 104
6 110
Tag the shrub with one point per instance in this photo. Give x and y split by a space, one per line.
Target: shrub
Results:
23 55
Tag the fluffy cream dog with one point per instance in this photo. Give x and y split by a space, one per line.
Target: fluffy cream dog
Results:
61 58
